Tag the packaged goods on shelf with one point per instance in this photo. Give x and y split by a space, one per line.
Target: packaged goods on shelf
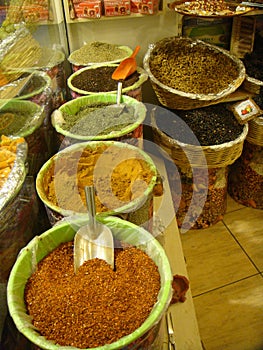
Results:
88 9
213 31
146 7
117 7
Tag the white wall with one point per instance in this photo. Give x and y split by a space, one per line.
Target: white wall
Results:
130 31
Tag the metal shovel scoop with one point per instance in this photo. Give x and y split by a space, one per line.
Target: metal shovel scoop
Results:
93 240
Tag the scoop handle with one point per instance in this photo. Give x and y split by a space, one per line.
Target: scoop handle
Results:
136 50
90 200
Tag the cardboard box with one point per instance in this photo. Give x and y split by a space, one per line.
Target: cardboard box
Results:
149 7
145 7
117 7
88 9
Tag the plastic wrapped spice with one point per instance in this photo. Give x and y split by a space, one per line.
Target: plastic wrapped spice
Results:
246 174
17 202
25 119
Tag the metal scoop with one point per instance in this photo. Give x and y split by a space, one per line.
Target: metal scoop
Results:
93 240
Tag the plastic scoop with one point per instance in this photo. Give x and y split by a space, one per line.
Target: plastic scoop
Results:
126 67
93 240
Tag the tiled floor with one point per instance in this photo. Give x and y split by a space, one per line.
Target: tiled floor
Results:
225 268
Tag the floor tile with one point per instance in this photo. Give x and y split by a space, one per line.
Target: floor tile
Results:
230 318
232 205
214 259
247 227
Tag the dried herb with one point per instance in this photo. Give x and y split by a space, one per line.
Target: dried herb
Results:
100 119
191 68
96 52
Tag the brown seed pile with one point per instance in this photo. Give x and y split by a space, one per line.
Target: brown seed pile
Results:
97 306
192 68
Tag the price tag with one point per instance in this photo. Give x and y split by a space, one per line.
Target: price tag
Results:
246 110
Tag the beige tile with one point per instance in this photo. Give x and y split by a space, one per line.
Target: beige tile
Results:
247 226
232 205
230 318
214 259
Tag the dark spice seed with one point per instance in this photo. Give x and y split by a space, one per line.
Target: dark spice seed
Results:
95 306
99 80
207 126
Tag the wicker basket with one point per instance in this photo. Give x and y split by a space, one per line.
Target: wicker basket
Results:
255 133
214 156
176 99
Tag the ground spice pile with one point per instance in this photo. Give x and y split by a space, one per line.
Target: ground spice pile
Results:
97 305
192 68
99 119
96 52
117 181
99 80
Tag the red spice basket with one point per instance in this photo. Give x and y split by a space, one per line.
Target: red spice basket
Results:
124 232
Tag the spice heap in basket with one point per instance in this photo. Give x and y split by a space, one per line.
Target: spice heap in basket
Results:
202 143
98 52
102 293
94 308
187 73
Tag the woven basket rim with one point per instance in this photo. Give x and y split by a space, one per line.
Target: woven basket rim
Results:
143 76
209 97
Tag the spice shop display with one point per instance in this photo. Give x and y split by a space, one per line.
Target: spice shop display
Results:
52 62
18 49
17 202
148 258
98 117
97 79
95 52
202 143
187 73
246 174
25 119
38 90
123 175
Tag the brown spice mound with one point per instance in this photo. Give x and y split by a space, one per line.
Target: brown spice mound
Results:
192 68
117 181
97 305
